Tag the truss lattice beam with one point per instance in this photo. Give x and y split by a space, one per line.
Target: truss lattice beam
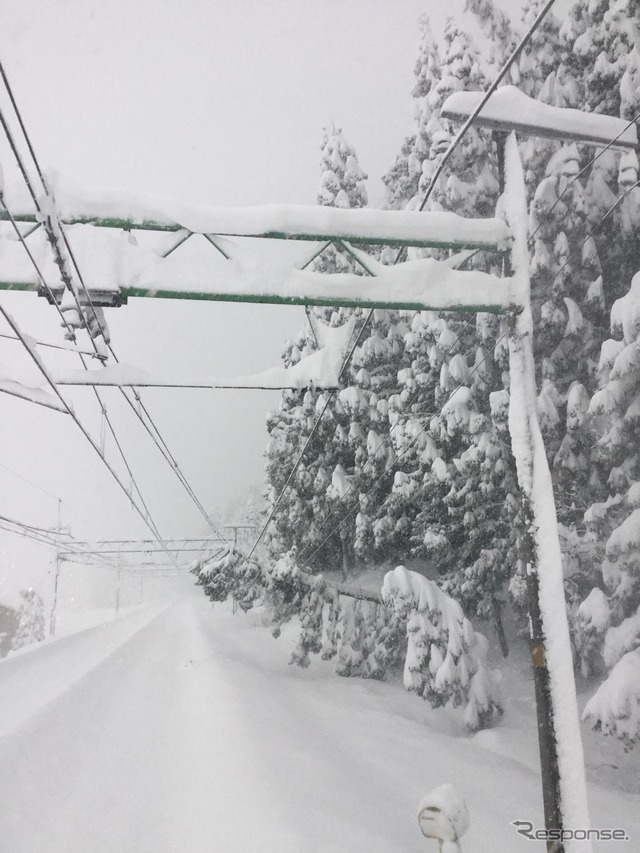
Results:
440 230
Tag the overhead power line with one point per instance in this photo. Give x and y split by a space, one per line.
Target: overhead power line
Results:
51 227
585 168
43 538
21 338
62 347
70 332
314 429
441 165
40 489
306 554
151 426
36 528
492 88
143 514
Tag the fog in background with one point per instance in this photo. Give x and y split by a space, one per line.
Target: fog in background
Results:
218 102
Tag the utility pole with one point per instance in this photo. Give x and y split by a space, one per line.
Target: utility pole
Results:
52 620
118 585
563 791
547 736
56 576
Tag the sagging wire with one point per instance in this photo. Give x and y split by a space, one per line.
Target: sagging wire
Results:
305 554
153 429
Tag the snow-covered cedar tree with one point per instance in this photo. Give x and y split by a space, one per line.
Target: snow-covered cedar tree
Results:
342 180
497 27
353 458
443 410
301 521
286 590
622 638
615 707
390 649
446 659
304 518
598 36
540 55
569 313
613 521
30 620
311 623
600 49
615 418
378 531
402 178
484 509
289 426
365 637
589 628
342 184
231 575
374 648
541 76
350 654
329 648
469 186
369 640
536 70
565 265
457 470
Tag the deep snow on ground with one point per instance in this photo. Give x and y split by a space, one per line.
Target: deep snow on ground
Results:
182 728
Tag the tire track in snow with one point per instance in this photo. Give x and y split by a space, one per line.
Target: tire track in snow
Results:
124 761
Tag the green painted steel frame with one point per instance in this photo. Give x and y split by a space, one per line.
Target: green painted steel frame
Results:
332 301
116 298
147 225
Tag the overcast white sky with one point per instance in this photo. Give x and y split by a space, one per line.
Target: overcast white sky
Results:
209 101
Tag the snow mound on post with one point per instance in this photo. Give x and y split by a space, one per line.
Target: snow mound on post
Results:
443 815
509 106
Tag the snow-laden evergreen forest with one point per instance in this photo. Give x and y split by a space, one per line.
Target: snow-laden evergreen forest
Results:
411 463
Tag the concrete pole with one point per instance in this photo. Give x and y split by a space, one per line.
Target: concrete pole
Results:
564 794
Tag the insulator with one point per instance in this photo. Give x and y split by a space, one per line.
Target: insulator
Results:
96 323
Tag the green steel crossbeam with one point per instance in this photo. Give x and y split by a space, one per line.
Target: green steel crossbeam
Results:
25 286
302 223
101 222
116 298
299 222
330 301
120 298
396 242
